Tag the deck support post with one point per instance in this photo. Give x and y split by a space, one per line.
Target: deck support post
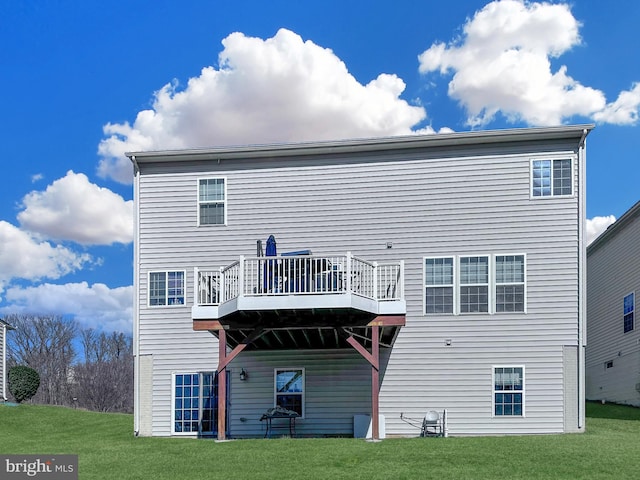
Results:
374 360
222 385
375 383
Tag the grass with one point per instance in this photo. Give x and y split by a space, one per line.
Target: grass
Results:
107 449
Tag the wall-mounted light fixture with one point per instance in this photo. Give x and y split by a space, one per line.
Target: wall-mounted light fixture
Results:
243 374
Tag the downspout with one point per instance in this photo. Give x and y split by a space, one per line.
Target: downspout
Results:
136 306
582 277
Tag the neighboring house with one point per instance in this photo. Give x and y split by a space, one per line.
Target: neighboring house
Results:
439 272
613 286
4 328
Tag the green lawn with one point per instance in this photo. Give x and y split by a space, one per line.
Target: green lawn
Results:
108 450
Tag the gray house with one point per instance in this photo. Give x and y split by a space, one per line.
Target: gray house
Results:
401 275
4 328
613 283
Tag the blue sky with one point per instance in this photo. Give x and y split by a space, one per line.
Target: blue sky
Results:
83 82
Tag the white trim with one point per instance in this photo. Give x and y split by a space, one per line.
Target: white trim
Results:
494 391
304 385
552 158
492 284
136 300
488 284
582 277
633 311
224 202
166 293
495 282
424 284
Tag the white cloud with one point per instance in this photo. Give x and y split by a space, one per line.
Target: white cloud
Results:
625 110
275 90
597 225
21 256
95 306
72 208
501 64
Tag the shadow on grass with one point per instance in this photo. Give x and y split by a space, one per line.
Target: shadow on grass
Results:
612 411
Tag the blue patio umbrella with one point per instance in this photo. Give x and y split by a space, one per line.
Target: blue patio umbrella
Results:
270 266
271 250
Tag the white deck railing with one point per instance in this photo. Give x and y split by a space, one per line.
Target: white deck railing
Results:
300 275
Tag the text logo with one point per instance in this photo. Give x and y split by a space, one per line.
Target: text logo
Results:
50 467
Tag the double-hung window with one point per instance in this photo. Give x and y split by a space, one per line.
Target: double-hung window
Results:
438 282
166 288
289 389
508 391
551 178
628 308
474 284
509 283
212 200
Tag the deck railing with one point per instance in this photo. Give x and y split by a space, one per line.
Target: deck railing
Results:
300 275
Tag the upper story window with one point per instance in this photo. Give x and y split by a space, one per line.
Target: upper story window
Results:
289 389
166 288
551 178
438 281
212 199
475 284
508 391
628 308
509 283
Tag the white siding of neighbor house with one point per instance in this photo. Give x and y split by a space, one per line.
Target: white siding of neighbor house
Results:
614 272
428 204
3 364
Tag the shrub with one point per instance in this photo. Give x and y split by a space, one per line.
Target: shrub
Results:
23 382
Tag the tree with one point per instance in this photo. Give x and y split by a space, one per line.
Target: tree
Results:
104 382
23 382
45 343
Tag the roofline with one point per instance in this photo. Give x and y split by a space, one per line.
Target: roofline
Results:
615 227
367 144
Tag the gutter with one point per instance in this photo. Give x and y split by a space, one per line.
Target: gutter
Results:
582 280
136 306
364 145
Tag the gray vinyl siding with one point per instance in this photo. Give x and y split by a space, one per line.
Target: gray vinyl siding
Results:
453 204
337 387
613 273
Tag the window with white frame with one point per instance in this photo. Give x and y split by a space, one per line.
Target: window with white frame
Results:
509 283
508 391
628 307
166 288
474 284
438 283
289 389
551 178
212 197
195 405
